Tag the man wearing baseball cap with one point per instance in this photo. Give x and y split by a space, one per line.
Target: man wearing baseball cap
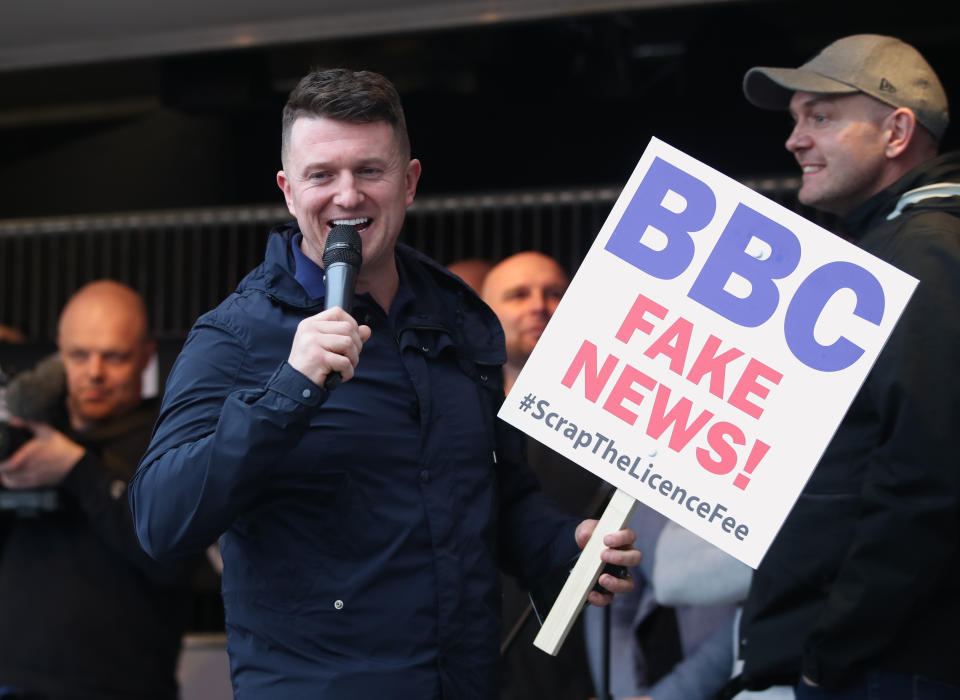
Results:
861 588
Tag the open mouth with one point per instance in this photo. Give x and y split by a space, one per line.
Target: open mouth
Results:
361 224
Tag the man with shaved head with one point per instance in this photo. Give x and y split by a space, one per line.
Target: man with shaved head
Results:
105 346
523 291
85 612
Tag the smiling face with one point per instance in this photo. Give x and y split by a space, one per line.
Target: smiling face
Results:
840 143
339 172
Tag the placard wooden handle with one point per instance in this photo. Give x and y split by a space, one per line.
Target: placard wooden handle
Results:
584 575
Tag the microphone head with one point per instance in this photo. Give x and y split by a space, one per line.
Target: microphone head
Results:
343 246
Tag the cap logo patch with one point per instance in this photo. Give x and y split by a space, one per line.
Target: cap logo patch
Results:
886 86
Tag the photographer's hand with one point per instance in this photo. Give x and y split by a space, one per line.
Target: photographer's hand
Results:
43 461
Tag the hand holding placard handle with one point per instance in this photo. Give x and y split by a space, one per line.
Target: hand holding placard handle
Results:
584 575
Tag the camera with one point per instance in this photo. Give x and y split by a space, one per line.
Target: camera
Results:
20 502
11 436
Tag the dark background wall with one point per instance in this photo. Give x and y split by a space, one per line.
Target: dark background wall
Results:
537 104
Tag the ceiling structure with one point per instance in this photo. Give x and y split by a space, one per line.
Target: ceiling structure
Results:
123 105
43 33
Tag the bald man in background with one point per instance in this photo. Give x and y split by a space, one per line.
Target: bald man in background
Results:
85 612
524 290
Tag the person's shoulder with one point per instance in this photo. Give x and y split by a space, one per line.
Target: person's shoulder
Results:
424 274
445 294
266 291
930 205
421 268
236 313
226 334
924 232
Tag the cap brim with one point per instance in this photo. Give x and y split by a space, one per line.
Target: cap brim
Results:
772 88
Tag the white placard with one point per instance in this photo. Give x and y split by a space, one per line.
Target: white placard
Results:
706 351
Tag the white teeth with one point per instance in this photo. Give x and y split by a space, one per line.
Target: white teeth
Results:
350 222
812 168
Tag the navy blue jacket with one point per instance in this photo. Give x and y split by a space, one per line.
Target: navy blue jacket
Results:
364 528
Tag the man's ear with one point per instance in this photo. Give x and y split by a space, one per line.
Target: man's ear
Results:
411 178
901 126
284 186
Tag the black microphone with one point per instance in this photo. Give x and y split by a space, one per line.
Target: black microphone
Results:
341 260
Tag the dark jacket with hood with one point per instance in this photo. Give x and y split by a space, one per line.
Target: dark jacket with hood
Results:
364 527
865 573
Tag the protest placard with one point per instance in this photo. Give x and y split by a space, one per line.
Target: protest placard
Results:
706 350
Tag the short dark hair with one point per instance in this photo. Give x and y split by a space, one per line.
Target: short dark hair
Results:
358 97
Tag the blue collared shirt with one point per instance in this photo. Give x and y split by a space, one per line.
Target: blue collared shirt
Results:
313 279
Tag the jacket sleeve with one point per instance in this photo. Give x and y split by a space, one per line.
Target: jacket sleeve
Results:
536 537
216 440
906 533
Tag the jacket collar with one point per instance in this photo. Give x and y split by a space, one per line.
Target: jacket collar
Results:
443 300
274 276
945 167
446 301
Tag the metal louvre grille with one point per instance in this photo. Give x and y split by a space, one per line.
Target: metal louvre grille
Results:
185 262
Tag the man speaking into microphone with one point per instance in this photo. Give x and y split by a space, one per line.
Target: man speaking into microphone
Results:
364 526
